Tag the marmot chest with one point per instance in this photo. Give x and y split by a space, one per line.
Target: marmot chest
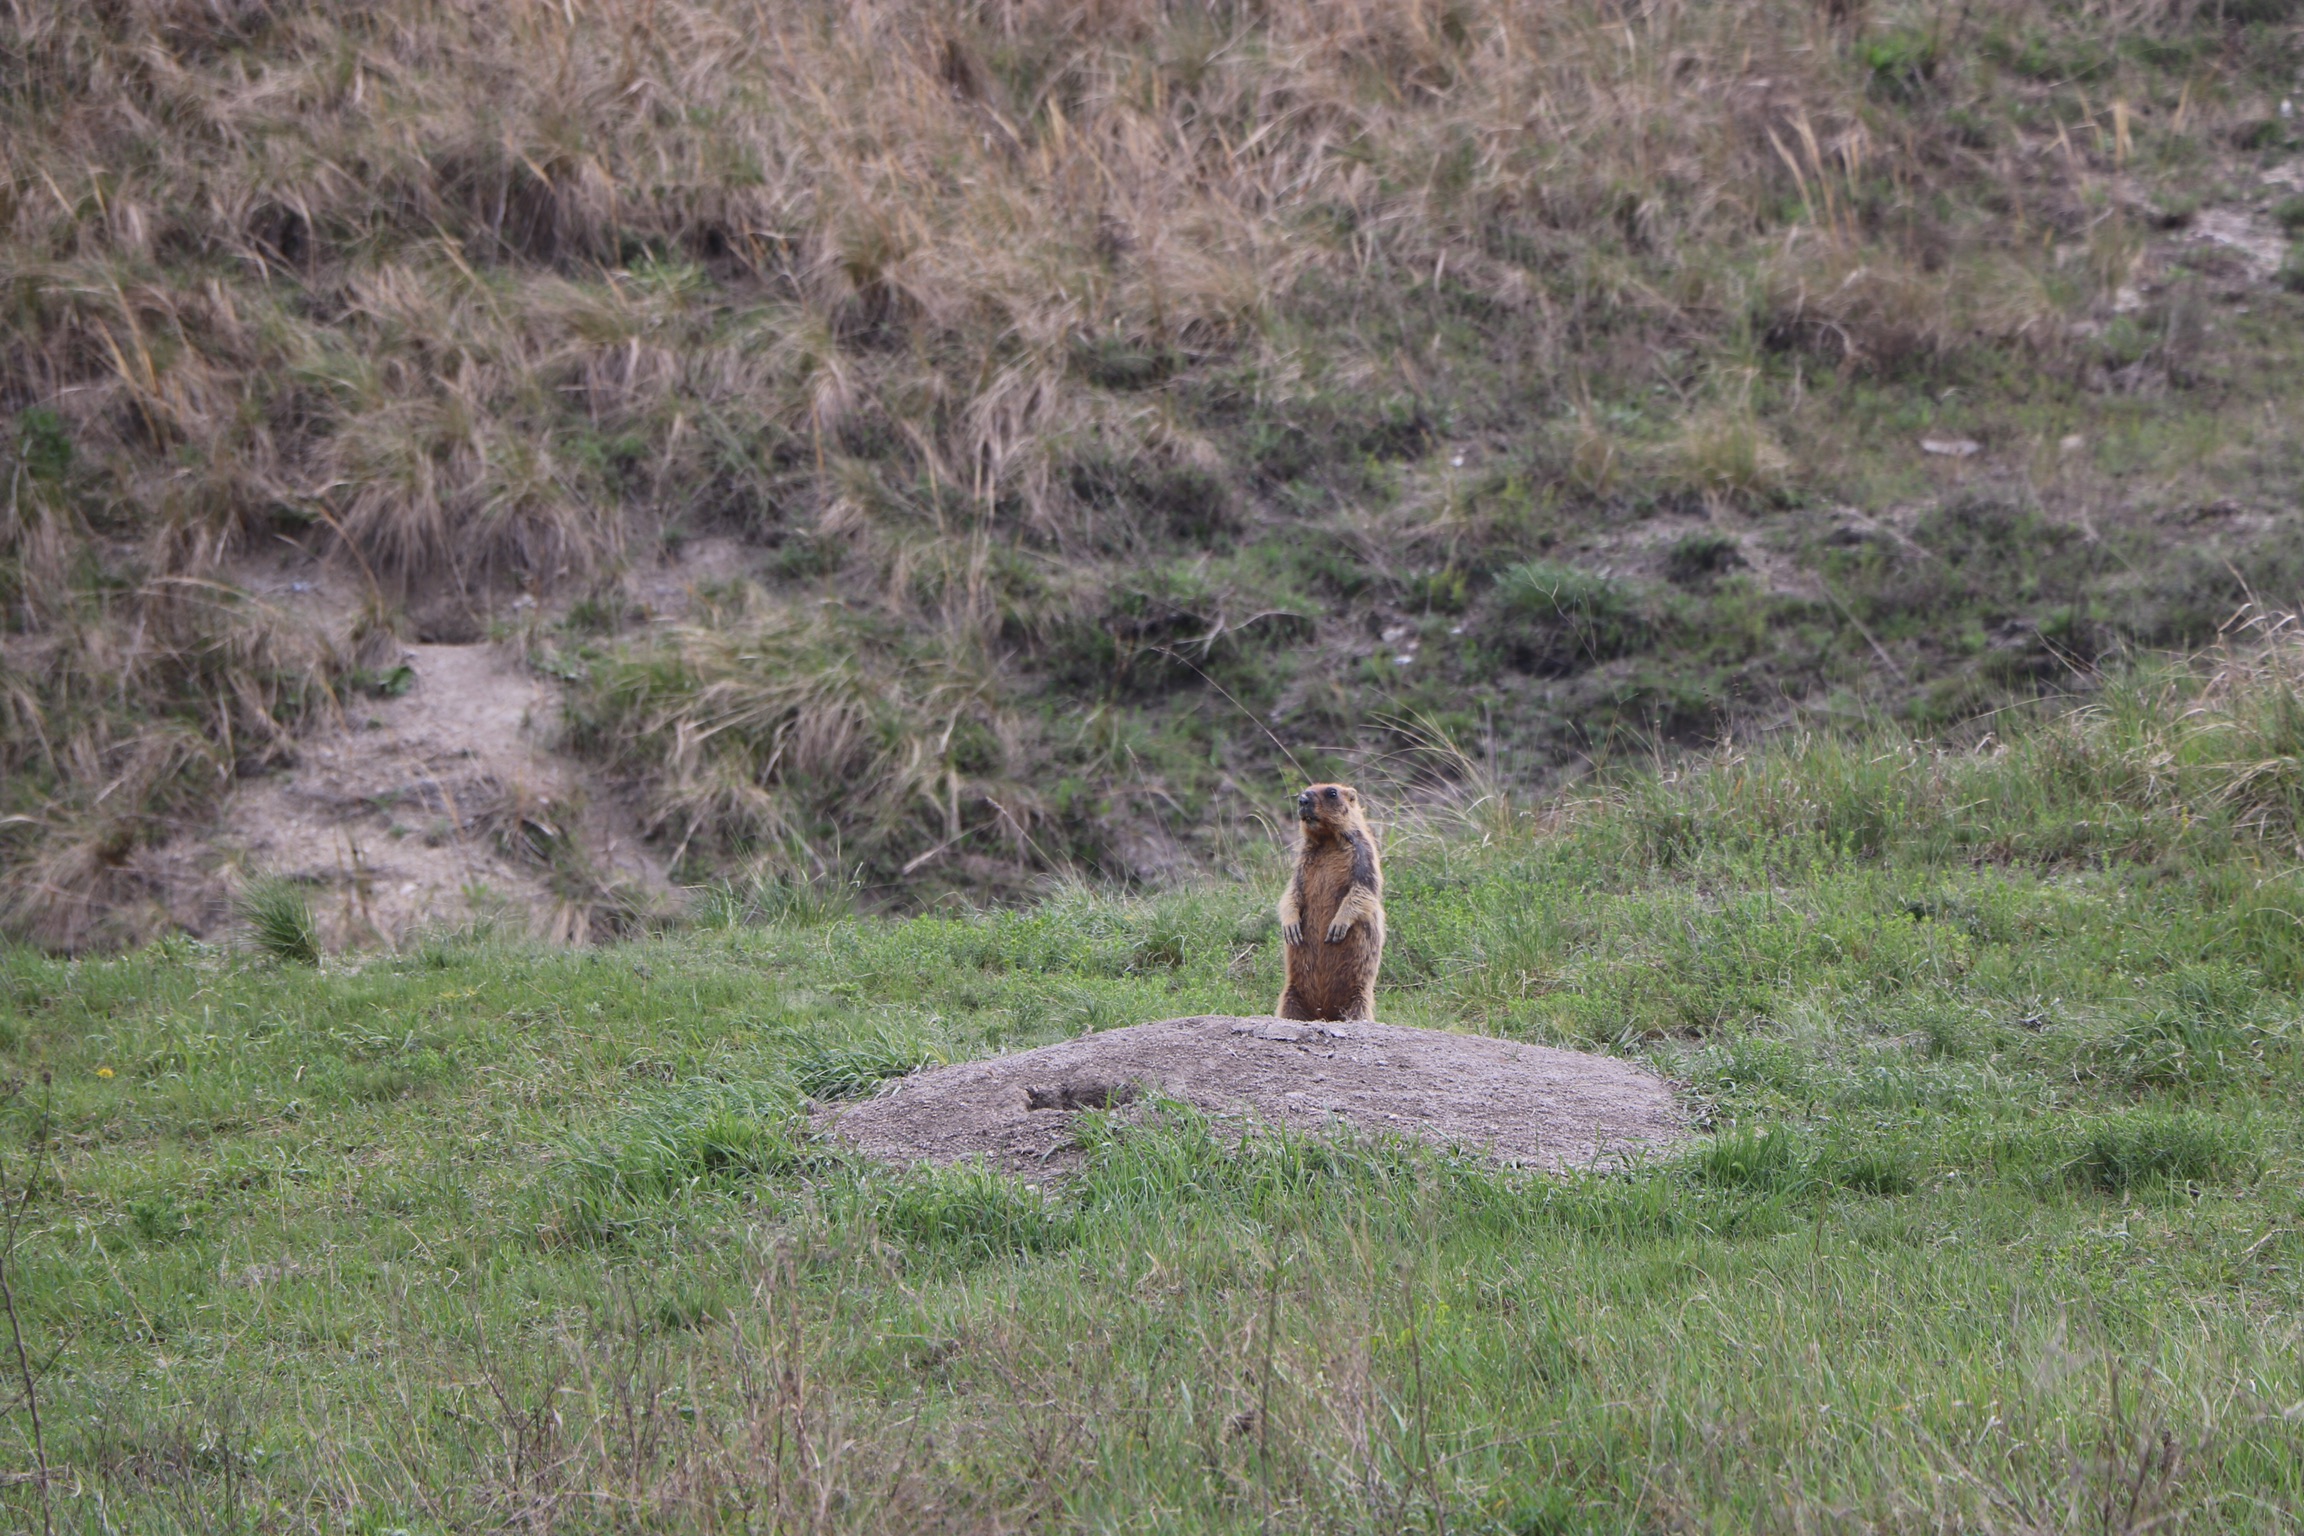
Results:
1327 881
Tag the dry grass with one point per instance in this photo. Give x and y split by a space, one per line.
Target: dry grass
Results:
360 260
133 715
762 742
477 296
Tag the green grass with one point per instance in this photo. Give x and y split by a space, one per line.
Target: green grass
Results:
1997 1224
279 919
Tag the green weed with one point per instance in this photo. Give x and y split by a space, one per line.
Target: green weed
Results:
854 1069
969 1215
279 918
705 1138
1572 616
2149 1148
1757 1159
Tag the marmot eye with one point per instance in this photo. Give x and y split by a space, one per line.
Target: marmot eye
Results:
1331 794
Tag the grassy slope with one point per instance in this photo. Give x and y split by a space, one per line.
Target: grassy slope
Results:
1999 1230
1049 362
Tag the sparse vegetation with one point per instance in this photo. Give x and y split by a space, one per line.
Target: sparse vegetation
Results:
1074 383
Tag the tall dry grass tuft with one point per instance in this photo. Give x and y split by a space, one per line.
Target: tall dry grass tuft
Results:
118 729
769 742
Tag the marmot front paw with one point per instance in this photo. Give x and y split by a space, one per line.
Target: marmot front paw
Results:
1336 932
1293 933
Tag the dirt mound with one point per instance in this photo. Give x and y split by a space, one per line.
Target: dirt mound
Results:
1527 1105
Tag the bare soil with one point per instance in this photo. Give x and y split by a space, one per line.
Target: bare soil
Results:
1525 1105
447 803
444 805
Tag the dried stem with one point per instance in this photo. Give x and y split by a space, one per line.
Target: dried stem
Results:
15 1225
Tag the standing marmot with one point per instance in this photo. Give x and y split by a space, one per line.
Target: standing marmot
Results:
1332 914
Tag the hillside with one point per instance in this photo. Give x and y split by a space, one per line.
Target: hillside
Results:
1997 1227
880 451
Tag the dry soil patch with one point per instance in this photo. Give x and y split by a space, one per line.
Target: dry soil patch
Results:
1527 1105
405 815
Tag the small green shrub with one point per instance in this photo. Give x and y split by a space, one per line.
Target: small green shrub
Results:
694 1306
1875 1171
2261 13
1697 558
1545 1512
2194 1032
2292 270
807 557
1727 452
383 682
2213 990
1568 616
601 612
1902 63
972 1213
1445 590
1775 1161
279 918
2169 1047
704 1138
785 899
159 1219
2152 1147
1758 1159
1337 437
1123 362
1181 499
853 1069
2125 343
43 444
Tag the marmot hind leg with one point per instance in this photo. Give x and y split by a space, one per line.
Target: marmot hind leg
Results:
1290 1007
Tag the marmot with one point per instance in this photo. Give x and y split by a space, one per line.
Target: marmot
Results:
1332 914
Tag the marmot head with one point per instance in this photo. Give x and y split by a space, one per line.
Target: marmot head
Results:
1327 804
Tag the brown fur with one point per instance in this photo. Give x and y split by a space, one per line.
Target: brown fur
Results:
1332 914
